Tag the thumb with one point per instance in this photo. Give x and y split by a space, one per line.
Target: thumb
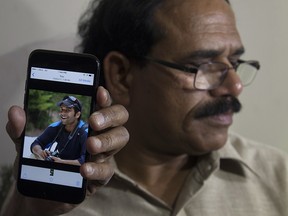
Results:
16 123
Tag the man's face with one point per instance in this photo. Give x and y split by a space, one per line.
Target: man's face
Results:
164 105
68 115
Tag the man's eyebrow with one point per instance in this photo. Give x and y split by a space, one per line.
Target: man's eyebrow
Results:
205 54
239 51
212 53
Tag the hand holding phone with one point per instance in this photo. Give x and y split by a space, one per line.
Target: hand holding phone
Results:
114 115
59 97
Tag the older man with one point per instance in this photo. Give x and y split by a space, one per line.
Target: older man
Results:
175 66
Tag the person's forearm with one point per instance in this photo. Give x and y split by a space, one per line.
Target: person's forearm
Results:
14 204
71 162
17 204
38 152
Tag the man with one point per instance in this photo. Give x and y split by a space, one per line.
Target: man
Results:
175 66
64 141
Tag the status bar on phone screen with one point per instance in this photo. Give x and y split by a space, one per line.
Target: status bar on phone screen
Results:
82 78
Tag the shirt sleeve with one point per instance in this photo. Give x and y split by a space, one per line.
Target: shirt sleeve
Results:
47 137
83 144
83 150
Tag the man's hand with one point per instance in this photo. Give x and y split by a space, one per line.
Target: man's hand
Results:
102 146
15 127
108 138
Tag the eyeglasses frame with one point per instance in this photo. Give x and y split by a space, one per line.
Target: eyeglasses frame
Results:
195 69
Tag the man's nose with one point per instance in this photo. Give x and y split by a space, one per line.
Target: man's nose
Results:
231 85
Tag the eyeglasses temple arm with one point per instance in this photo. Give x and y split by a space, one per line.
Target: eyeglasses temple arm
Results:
172 65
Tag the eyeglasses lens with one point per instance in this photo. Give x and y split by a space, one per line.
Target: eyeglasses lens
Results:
247 73
210 75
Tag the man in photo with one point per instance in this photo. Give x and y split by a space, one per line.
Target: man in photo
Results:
64 141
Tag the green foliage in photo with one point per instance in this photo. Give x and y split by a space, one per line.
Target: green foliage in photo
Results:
43 109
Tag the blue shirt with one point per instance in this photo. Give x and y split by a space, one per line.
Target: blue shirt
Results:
71 145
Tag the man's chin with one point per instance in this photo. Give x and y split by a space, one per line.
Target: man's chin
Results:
210 142
63 122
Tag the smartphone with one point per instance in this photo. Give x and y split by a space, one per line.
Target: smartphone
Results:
60 95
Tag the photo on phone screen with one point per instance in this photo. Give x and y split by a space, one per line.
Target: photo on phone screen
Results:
59 98
57 123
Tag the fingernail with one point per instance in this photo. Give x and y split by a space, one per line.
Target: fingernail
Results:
99 119
89 170
97 143
105 95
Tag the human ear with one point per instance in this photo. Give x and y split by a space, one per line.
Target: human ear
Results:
77 115
118 76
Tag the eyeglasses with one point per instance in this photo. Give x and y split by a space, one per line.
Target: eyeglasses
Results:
212 74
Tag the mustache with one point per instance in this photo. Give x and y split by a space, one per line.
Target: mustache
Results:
219 106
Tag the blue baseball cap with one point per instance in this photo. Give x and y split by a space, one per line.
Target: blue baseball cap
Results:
70 101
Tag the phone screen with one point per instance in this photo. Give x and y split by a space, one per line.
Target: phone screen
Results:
59 98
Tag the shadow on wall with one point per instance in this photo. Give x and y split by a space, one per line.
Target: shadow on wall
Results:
13 68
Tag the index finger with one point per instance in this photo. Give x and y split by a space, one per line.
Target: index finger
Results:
112 116
103 97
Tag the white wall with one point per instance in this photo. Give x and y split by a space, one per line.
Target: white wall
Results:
264 31
26 21
28 24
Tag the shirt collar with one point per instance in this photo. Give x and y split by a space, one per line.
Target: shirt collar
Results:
232 152
210 162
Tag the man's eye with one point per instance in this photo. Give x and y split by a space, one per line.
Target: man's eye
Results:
194 64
